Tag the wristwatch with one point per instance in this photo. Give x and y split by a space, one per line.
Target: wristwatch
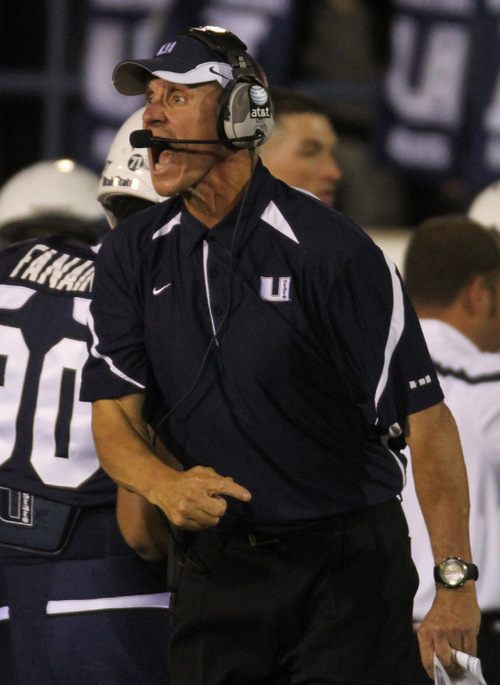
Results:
453 572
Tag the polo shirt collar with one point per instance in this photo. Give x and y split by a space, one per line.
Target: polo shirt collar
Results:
257 198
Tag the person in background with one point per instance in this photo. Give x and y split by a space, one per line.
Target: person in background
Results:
291 367
302 149
62 200
125 185
77 605
452 274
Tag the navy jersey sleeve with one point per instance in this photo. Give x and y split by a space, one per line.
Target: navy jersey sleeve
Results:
117 364
380 342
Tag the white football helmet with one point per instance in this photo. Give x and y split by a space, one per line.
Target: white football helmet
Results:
57 188
126 174
485 208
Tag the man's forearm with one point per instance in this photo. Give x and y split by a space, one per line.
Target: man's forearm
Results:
442 489
441 481
142 525
194 499
123 444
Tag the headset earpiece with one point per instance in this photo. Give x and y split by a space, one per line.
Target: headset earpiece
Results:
239 115
245 109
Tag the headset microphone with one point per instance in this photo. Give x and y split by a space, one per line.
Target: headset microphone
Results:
145 138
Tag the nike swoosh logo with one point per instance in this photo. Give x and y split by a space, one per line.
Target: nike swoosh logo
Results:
217 73
157 291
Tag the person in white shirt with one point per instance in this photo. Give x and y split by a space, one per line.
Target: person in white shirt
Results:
452 274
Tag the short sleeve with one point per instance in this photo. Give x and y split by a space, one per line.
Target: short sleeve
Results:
117 364
376 334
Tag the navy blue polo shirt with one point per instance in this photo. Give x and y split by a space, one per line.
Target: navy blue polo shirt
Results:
284 338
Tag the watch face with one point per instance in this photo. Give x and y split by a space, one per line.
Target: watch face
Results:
453 572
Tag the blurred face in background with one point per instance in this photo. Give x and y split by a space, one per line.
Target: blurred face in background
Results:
301 152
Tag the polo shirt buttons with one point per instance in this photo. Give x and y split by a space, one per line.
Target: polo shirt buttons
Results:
214 273
218 310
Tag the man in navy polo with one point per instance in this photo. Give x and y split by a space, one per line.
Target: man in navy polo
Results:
271 344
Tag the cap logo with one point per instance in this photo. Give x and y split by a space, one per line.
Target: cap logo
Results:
166 48
258 95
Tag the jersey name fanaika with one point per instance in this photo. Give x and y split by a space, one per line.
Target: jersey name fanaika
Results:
46 442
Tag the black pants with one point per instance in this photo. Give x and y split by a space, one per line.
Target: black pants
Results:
331 605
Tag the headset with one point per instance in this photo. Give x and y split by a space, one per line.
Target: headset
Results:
245 113
245 108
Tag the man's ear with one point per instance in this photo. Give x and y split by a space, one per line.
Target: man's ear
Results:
476 297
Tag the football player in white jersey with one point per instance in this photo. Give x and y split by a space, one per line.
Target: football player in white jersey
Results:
452 273
76 604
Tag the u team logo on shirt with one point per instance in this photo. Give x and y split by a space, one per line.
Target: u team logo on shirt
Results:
269 291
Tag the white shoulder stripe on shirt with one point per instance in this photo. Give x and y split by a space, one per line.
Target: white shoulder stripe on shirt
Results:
168 227
272 216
